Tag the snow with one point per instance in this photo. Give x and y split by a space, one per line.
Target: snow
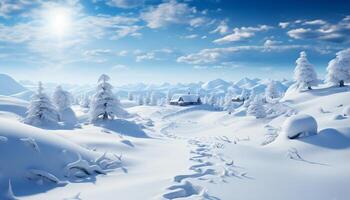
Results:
338 69
8 86
346 111
298 126
187 98
172 152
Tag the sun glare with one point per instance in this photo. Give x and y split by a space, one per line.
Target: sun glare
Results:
59 22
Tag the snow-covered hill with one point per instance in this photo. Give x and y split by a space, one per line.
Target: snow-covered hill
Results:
8 86
217 154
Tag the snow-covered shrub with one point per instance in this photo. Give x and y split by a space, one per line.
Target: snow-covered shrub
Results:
41 111
304 73
338 69
256 108
300 125
103 105
346 111
62 99
271 93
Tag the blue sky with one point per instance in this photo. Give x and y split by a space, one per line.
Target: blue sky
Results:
74 41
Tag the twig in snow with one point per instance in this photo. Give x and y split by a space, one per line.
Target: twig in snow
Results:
31 143
294 155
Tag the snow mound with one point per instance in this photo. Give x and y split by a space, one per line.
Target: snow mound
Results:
300 125
9 86
13 105
346 111
25 95
35 156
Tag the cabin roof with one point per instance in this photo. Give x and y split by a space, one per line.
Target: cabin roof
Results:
185 97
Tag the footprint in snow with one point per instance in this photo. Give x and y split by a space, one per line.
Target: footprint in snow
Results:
183 190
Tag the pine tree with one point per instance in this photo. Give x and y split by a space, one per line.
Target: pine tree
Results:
212 100
244 95
41 111
304 73
154 99
338 70
62 99
250 99
104 105
256 108
271 91
85 101
169 96
140 100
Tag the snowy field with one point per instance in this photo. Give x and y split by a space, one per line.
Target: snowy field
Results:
181 152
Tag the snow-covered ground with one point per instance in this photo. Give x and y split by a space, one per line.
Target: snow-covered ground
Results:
171 152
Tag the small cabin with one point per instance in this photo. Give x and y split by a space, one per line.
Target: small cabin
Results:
238 99
185 99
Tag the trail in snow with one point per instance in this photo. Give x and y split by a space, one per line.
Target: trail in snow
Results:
209 165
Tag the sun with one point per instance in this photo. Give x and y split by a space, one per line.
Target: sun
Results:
59 22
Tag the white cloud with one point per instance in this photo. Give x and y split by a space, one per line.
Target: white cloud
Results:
167 13
222 28
241 33
198 21
146 56
122 53
320 30
315 22
219 55
124 31
284 24
192 36
119 66
7 7
97 52
269 43
125 3
200 67
158 54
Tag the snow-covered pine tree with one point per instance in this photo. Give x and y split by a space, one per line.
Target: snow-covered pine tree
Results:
256 108
271 91
338 69
250 99
104 105
154 99
62 99
140 100
212 100
85 101
169 96
41 111
304 73
244 95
